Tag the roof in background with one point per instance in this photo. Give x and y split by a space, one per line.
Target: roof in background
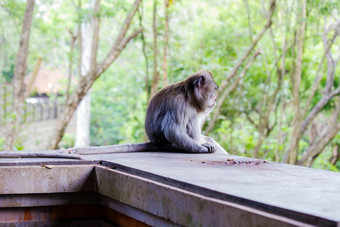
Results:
47 80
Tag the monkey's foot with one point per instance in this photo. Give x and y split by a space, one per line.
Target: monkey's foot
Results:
210 147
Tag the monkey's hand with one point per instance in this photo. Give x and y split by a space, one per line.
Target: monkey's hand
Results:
210 147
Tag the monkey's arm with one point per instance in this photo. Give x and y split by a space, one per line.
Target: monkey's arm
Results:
180 140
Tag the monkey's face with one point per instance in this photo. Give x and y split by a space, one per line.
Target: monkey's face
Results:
211 99
205 90
211 103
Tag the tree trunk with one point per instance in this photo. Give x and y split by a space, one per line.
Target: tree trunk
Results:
300 128
146 78
318 75
83 118
70 66
34 76
83 114
296 80
259 141
328 94
335 154
227 91
18 77
165 47
94 73
223 90
322 141
268 105
155 78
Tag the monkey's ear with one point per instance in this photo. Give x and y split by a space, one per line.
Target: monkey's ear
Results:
199 81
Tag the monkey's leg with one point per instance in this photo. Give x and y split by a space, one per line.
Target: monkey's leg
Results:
182 141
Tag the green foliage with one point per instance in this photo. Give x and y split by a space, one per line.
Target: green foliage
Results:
14 8
2 144
322 162
8 73
119 102
237 138
215 36
68 141
206 34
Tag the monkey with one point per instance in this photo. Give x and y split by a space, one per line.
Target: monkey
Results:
174 115
174 118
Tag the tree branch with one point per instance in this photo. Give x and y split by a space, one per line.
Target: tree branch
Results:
250 119
317 108
249 21
34 76
296 81
95 35
328 94
318 77
226 92
322 141
146 78
165 45
244 57
155 77
86 83
115 53
110 57
330 60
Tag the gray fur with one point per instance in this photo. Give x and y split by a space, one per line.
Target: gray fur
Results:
172 114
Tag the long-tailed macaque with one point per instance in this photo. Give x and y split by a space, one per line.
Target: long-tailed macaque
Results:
174 118
175 114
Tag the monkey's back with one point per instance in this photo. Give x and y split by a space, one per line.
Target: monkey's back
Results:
164 110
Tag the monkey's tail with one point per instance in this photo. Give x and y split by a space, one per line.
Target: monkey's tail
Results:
119 148
39 154
75 153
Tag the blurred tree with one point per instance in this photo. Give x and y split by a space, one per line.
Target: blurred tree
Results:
86 38
19 90
155 77
96 69
277 69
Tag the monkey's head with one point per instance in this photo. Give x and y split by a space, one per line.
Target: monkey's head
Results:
202 86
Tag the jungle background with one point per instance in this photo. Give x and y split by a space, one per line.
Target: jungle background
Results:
276 63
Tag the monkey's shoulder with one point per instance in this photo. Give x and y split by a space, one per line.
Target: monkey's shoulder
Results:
172 90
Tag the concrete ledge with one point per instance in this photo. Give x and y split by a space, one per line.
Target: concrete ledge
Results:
303 194
47 179
179 206
167 189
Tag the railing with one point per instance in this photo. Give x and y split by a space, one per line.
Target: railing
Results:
37 108
42 109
